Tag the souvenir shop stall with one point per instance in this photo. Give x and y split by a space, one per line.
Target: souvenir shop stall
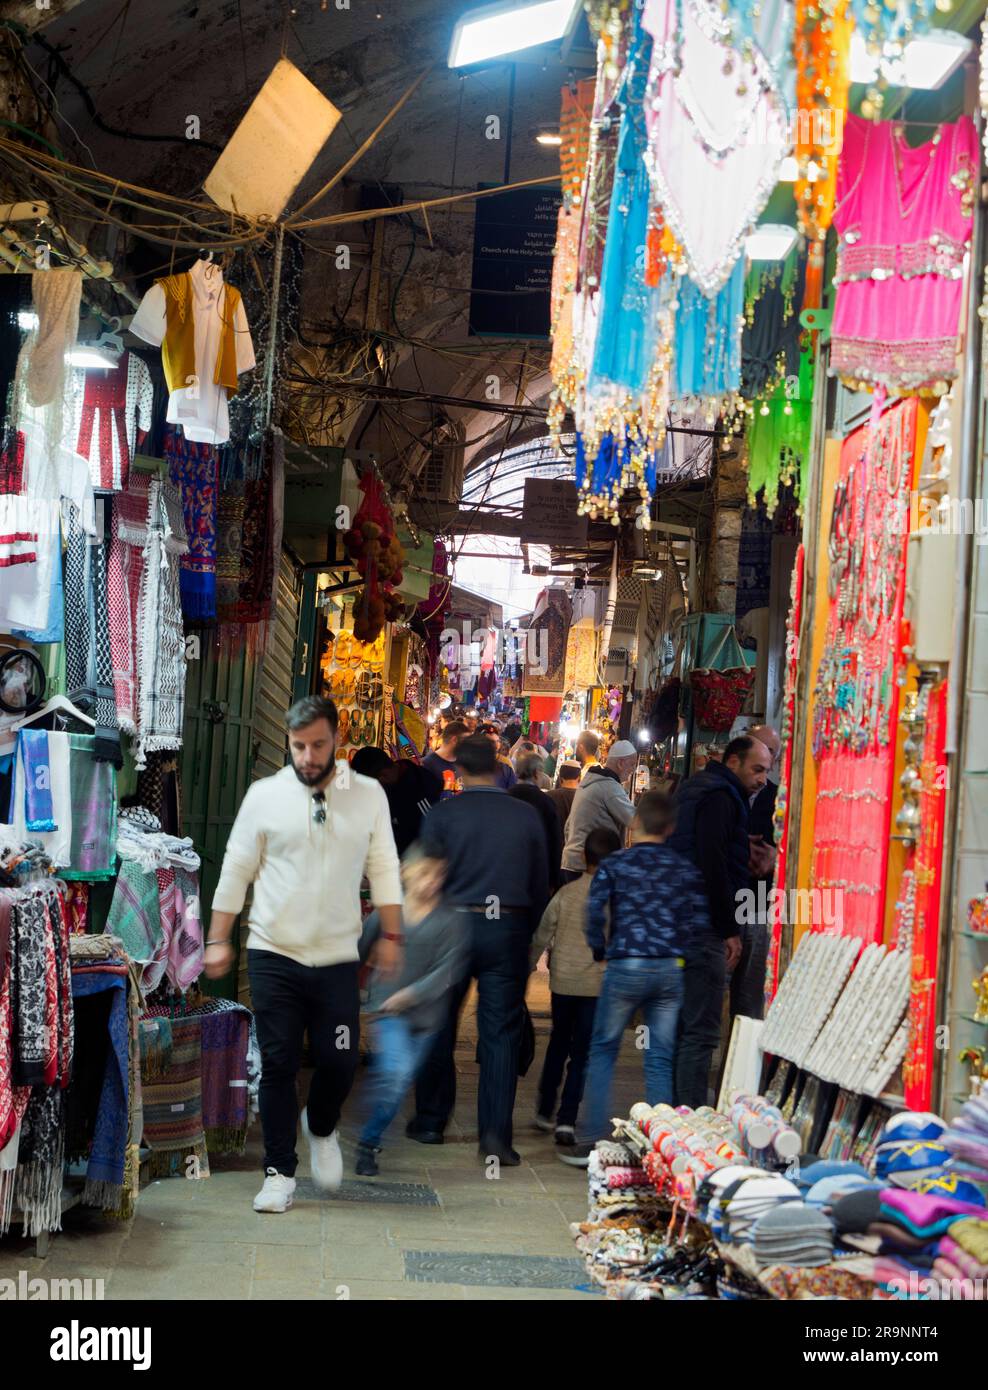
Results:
731 1204
118 565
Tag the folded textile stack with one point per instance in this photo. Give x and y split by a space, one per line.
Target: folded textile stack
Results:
615 1178
962 1259
626 1223
793 1233
967 1140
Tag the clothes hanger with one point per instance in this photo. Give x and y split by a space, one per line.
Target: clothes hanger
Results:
58 704
110 338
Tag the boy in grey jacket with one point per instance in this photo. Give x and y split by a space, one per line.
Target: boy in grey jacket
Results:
575 979
407 1010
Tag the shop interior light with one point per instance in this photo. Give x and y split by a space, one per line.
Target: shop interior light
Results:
90 357
508 27
26 320
925 63
772 241
789 170
644 736
548 137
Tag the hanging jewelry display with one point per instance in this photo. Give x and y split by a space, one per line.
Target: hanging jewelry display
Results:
856 690
808 991
918 906
781 813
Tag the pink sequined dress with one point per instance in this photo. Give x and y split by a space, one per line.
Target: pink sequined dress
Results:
904 219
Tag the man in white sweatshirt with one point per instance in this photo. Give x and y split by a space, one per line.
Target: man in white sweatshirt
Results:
304 838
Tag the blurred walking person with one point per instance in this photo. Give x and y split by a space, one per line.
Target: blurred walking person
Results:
497 877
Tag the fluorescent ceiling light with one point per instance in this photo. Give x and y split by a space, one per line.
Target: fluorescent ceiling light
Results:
508 27
89 357
926 62
547 138
770 242
27 319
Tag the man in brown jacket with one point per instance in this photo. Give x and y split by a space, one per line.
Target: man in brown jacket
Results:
574 979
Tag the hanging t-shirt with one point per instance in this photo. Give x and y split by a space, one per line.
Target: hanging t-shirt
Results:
201 409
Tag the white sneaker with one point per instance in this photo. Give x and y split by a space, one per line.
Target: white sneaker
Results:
324 1156
277 1194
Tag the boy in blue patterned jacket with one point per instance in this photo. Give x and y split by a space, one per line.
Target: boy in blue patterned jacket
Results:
654 903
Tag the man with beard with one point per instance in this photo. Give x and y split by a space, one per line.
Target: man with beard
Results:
304 838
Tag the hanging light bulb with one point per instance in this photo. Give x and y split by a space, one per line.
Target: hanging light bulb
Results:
764 409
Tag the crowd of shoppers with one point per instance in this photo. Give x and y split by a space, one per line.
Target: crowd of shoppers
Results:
636 905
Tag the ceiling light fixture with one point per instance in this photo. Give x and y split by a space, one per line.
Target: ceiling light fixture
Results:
508 27
925 63
771 241
789 170
89 357
548 137
27 319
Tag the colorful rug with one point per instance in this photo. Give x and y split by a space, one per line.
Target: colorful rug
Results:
173 1108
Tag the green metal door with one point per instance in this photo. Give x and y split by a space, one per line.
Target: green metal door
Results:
217 760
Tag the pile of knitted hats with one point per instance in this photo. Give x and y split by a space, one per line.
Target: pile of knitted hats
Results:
793 1234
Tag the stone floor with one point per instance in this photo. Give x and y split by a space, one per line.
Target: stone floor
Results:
432 1226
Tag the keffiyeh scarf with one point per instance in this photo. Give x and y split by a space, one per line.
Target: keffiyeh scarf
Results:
162 640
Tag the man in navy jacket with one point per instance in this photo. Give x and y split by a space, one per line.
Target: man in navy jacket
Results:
712 830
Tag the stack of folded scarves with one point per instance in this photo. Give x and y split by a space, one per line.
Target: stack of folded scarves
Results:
967 1140
962 1257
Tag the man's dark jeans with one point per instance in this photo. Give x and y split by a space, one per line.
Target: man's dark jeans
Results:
499 963
699 1019
289 999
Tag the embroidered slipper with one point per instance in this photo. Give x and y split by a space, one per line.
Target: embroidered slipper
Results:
344 646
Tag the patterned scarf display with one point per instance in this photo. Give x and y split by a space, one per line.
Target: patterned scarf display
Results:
39 933
229 547
134 914
162 641
225 1038
125 573
38 809
30 1002
185 951
194 469
41 1161
93 787
88 650
101 1133
173 1106
158 790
